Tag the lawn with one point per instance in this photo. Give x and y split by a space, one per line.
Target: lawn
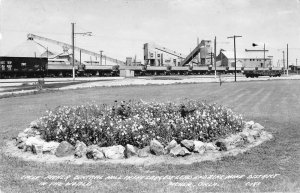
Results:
274 104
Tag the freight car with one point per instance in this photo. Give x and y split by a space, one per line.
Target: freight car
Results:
263 72
27 67
13 67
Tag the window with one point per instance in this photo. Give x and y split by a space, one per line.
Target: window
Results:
158 55
23 64
3 67
2 62
9 67
151 55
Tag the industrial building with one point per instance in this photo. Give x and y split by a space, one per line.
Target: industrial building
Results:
155 55
247 59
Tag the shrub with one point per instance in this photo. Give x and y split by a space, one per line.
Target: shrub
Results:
137 123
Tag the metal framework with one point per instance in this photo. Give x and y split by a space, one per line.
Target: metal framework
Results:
65 45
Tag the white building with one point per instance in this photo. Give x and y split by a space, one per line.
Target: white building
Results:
247 59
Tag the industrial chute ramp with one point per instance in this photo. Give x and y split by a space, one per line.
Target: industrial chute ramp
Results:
201 48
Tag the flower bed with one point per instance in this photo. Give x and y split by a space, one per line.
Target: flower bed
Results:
140 129
137 123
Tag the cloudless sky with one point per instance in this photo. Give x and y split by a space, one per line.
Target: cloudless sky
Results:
121 27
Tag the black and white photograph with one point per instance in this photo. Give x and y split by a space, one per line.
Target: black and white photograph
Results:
158 96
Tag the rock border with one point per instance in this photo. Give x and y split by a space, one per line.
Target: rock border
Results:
30 147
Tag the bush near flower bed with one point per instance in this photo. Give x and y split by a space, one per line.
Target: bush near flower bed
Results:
137 123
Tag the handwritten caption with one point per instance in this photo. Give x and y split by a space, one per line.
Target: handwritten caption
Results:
179 180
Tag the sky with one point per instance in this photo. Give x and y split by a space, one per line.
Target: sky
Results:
121 27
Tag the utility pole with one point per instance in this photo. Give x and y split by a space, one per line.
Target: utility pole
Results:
287 59
296 66
79 57
215 61
73 55
198 58
235 36
264 55
101 57
48 62
283 61
211 58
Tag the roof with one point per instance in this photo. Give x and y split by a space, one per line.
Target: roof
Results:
48 54
28 48
242 55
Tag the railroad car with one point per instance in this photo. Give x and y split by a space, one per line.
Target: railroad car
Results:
13 67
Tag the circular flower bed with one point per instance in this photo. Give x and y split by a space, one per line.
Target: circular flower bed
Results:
137 123
139 128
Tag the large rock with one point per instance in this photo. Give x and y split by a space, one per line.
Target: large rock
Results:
32 142
113 152
50 147
130 150
249 124
21 145
254 133
64 149
156 147
234 141
210 147
257 126
94 152
80 149
171 145
245 137
179 151
250 139
245 132
98 155
37 149
22 137
199 147
189 144
221 145
266 136
145 152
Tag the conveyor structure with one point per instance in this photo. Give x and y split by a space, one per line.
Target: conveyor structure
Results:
68 46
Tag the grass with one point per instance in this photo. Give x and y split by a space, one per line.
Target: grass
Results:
47 85
274 104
